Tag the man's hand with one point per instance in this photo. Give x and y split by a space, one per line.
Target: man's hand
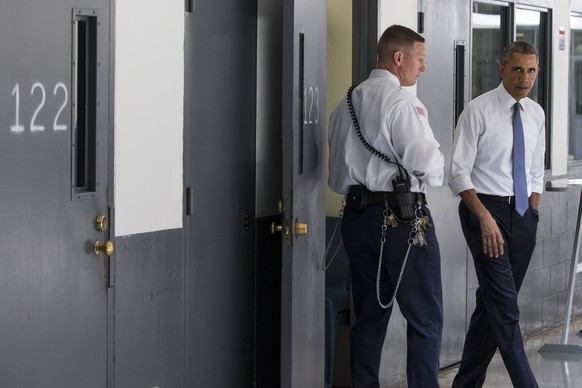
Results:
490 234
492 239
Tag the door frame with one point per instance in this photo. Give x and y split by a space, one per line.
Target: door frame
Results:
110 191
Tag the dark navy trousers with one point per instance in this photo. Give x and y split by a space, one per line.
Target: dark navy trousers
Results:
419 297
495 321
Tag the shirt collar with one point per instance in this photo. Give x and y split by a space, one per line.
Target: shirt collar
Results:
382 73
506 100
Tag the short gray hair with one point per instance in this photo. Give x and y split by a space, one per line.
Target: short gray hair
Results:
520 47
397 38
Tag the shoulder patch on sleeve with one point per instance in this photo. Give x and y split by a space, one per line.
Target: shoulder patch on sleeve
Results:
420 111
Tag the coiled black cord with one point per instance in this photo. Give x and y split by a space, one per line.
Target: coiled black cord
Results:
366 144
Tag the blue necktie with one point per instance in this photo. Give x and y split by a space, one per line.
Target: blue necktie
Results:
519 179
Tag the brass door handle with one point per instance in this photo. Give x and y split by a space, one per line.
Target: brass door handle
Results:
300 228
276 228
100 248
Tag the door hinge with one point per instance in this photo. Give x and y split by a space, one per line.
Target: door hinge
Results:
189 201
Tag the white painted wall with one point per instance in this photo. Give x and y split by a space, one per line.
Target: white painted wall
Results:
339 74
149 103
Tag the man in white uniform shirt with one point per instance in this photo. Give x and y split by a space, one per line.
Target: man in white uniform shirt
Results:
377 232
501 239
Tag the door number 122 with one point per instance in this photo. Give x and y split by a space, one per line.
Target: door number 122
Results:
38 88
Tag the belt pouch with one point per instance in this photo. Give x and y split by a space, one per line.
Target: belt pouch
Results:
405 199
406 203
358 198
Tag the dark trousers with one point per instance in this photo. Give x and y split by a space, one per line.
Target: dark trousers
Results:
495 321
419 297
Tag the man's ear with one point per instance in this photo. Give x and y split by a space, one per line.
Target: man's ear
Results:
500 68
398 57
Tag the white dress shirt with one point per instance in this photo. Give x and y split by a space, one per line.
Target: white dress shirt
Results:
483 145
395 123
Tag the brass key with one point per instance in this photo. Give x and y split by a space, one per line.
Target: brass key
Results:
421 223
419 239
391 220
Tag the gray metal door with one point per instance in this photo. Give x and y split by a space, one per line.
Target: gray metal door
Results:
447 72
220 192
303 216
54 180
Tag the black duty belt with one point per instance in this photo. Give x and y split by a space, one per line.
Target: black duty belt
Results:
510 200
379 197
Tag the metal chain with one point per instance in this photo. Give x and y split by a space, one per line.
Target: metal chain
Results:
382 241
414 230
325 265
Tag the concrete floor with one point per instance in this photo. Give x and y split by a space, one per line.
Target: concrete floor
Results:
552 370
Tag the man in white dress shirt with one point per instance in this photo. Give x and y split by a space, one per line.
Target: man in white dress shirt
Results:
395 123
501 239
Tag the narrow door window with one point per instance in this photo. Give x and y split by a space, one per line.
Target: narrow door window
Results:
84 177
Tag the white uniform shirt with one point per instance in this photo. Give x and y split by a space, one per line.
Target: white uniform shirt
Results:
483 145
395 123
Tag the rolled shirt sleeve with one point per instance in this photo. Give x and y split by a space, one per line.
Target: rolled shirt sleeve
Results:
464 153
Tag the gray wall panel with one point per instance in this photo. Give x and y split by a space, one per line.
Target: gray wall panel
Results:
149 310
446 22
220 80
